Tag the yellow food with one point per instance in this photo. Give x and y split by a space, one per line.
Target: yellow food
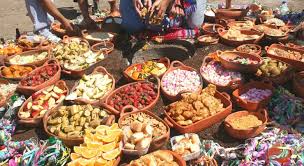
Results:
159 157
245 122
144 70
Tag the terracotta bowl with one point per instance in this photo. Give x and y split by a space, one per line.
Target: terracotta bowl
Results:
297 65
292 45
106 47
156 143
211 29
248 105
153 79
204 123
231 13
174 66
275 150
101 70
257 50
70 142
43 44
57 29
298 84
86 32
29 90
246 133
28 53
231 42
249 68
35 122
15 78
240 25
270 36
163 60
227 88
206 43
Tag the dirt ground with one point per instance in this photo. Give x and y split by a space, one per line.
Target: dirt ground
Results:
13 12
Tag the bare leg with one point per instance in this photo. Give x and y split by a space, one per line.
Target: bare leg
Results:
113 8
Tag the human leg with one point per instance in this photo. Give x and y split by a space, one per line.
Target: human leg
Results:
131 21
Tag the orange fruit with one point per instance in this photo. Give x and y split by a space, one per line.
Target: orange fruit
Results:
108 147
111 155
81 162
89 153
114 126
75 156
114 131
110 163
100 162
102 129
94 145
78 149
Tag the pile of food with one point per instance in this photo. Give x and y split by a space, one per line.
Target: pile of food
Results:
243 25
92 87
139 95
245 122
195 107
159 158
215 73
186 145
240 60
101 147
40 76
137 136
16 71
271 68
72 121
180 80
30 42
76 55
270 31
256 95
28 59
275 21
248 48
42 102
290 54
7 89
207 39
144 70
233 34
159 128
10 49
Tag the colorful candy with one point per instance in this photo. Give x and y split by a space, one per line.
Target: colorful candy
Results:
181 80
216 74
256 95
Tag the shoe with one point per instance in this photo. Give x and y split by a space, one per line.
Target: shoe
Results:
49 35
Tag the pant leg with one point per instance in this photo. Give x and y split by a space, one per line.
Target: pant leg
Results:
197 17
38 15
131 20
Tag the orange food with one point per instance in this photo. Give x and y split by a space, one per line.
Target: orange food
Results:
10 49
16 71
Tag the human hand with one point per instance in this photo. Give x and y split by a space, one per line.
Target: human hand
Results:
177 9
68 26
148 4
138 5
160 6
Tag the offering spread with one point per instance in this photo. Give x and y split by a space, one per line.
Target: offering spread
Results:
144 70
72 121
256 95
101 147
160 157
271 68
194 107
16 71
43 102
245 122
76 55
27 59
139 95
92 87
179 80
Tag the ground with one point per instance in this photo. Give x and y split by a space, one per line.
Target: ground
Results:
13 13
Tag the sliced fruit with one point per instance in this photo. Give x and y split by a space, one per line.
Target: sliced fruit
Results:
94 145
111 155
89 153
114 126
82 162
78 149
114 131
108 138
108 147
75 156
100 162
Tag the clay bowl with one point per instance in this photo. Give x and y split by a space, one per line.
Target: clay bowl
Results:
297 65
292 45
209 16
70 142
231 13
211 29
15 78
249 132
204 123
29 90
85 34
43 44
298 84
241 25
57 29
163 60
232 85
271 36
97 70
35 122
174 66
105 47
249 105
282 78
28 53
156 143
202 40
152 79
235 66
177 158
276 150
232 42
264 18
254 49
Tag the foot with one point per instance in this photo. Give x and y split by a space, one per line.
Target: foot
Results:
115 13
49 35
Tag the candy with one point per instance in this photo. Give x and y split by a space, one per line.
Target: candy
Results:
181 80
256 95
216 74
